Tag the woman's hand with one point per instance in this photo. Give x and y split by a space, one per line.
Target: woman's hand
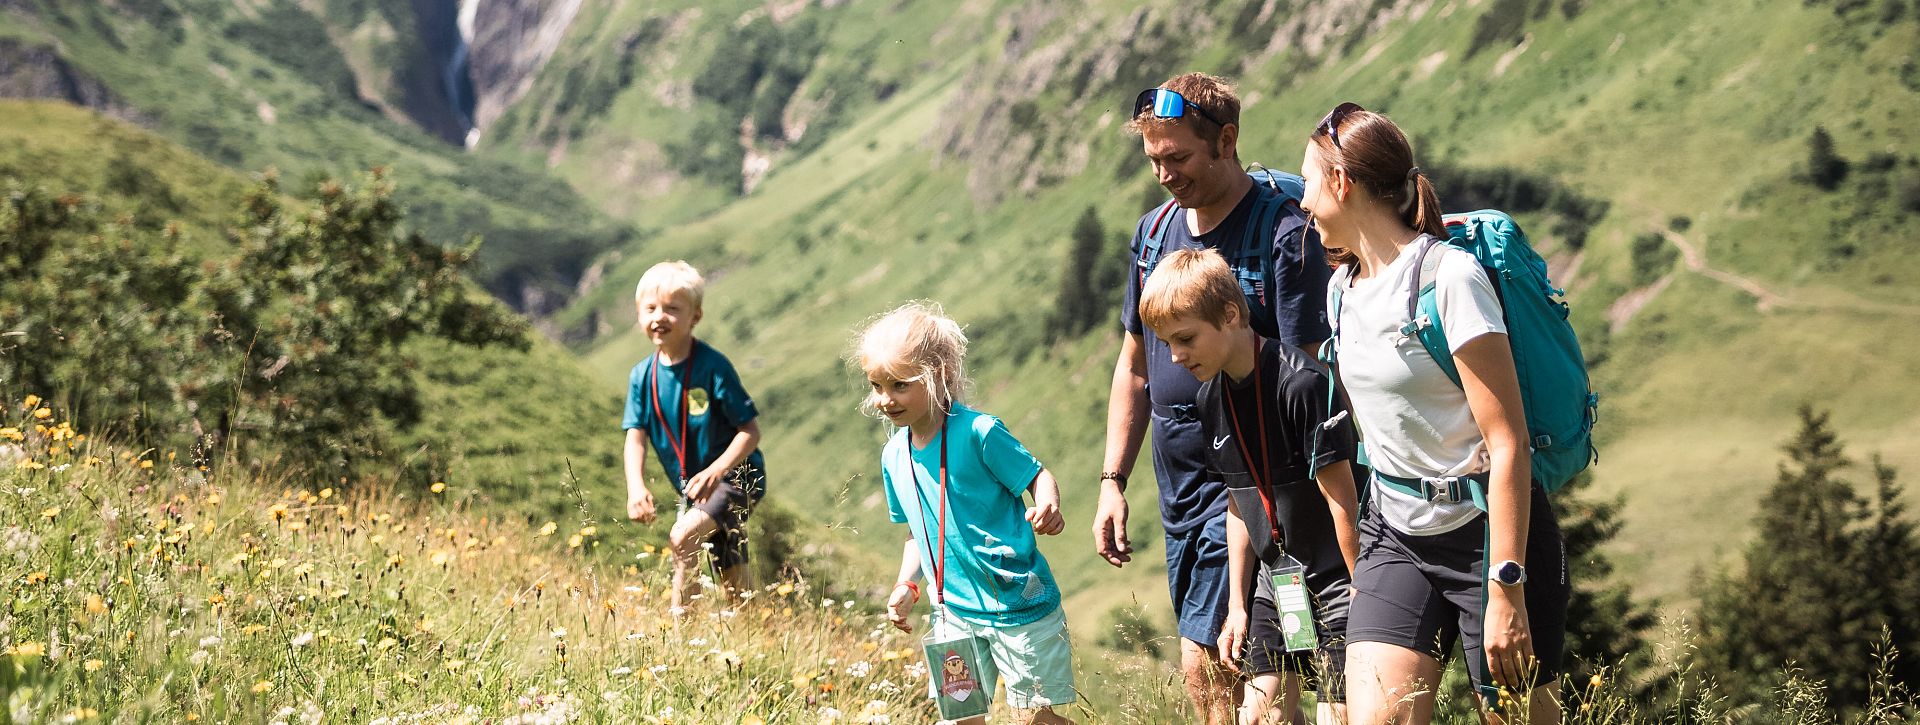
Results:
640 508
1508 639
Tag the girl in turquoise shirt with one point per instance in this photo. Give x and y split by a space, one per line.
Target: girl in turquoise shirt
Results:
955 476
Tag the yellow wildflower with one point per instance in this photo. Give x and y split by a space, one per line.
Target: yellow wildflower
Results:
32 401
28 649
549 528
12 434
439 487
96 605
93 665
43 413
51 514
386 643
574 541
440 558
38 577
590 531
263 686
145 464
253 629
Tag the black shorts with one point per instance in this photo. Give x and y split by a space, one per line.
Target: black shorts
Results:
729 505
1324 668
1423 592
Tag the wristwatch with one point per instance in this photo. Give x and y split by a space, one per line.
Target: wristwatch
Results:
1116 477
1508 573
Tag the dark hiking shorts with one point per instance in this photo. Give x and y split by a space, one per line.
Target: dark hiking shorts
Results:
1325 668
1423 592
729 505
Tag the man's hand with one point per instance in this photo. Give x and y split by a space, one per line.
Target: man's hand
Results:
1509 639
640 508
900 604
703 484
1110 526
1233 636
1046 518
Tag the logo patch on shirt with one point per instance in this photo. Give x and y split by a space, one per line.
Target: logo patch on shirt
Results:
698 402
1221 441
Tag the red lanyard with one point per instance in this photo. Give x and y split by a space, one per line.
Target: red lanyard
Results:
1260 473
940 564
679 442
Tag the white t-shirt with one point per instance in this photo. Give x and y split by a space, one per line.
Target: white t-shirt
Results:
1414 418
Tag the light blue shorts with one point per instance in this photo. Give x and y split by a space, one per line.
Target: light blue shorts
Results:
1035 658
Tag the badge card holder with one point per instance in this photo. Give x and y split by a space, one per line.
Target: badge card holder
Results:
954 661
1295 606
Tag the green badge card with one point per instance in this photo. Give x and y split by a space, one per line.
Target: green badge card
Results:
954 663
1295 604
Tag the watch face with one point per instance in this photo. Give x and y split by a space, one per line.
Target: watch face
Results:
1508 573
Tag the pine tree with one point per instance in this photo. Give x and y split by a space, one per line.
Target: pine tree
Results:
1605 627
1090 281
1825 168
1824 574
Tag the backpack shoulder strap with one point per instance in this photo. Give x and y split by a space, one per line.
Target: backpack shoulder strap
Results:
1423 309
1154 238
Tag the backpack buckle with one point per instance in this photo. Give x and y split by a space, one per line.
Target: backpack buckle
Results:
1441 489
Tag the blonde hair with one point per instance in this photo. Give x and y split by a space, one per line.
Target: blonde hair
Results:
672 278
915 341
1192 283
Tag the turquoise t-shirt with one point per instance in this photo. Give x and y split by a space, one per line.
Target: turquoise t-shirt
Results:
995 575
717 406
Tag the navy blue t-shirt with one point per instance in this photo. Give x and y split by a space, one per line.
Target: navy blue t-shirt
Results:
1295 289
717 405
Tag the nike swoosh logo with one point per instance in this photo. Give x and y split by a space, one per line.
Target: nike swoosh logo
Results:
1221 441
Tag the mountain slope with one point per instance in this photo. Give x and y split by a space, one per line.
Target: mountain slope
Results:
332 87
1654 119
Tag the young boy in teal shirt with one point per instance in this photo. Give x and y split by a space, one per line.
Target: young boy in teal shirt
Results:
955 477
686 403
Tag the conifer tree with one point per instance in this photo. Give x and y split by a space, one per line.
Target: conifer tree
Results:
1825 573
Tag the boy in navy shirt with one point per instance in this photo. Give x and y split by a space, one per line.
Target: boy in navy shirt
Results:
1281 444
687 403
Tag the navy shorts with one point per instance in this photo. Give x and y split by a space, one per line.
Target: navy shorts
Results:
1197 579
1425 592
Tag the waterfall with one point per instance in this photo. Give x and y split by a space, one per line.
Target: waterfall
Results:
458 81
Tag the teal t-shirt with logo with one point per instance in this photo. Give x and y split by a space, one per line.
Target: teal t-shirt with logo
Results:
994 574
716 406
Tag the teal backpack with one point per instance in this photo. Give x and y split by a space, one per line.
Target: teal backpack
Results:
1560 404
1252 257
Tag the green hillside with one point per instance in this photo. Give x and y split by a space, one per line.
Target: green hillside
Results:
331 88
963 186
502 424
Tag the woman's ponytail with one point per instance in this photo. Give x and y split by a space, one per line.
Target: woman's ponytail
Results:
1424 213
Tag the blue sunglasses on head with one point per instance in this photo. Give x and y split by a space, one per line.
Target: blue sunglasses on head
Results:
1168 104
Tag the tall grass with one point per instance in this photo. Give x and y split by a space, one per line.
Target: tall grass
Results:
145 585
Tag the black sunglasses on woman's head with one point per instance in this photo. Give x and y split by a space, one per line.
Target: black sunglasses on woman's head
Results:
1330 124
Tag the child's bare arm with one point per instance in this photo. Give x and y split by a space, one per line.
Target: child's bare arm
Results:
745 440
640 504
905 591
1343 499
1233 632
1045 514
